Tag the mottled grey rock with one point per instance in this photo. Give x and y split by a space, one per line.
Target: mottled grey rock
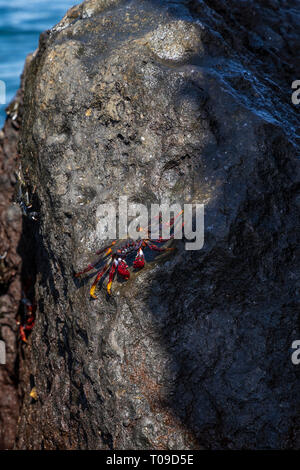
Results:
188 100
10 272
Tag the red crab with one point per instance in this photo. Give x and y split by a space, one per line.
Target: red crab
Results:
113 258
28 323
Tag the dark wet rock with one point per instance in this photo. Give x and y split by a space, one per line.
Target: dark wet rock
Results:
10 272
189 100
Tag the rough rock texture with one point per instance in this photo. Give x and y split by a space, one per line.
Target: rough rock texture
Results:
189 100
10 272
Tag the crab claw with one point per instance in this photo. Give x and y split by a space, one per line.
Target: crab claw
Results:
139 261
123 270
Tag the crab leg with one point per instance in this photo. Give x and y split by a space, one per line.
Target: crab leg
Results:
108 248
87 269
98 277
23 334
170 224
93 265
111 275
160 240
157 248
173 220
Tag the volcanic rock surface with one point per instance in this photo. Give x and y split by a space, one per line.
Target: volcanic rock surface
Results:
191 101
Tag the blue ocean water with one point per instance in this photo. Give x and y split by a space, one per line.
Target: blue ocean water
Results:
21 22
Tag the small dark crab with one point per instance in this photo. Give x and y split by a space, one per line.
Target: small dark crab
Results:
23 198
27 321
113 257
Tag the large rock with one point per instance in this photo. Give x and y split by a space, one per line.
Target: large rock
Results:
190 101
